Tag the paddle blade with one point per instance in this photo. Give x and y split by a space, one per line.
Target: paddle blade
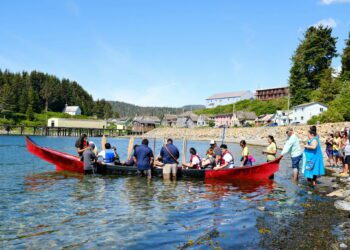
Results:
103 142
130 147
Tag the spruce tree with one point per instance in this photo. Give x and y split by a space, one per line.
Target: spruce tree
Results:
313 56
345 60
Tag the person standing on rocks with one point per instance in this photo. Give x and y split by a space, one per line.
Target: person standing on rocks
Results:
313 165
346 158
292 146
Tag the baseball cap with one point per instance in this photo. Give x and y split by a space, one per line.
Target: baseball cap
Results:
212 142
92 144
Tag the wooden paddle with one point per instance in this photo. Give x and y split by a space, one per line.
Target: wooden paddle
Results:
103 142
130 147
184 150
154 145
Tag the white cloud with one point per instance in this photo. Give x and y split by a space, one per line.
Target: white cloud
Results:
328 2
328 22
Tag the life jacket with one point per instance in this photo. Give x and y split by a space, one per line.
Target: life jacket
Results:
197 166
109 156
222 160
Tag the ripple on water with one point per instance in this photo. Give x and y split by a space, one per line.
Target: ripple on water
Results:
39 207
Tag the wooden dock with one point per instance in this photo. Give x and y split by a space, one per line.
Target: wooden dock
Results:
61 131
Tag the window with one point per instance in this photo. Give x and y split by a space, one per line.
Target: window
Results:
321 109
302 109
302 118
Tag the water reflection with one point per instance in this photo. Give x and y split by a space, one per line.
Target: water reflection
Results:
39 207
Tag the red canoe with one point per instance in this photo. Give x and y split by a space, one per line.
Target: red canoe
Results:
68 162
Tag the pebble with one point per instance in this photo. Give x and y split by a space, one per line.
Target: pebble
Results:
261 208
343 245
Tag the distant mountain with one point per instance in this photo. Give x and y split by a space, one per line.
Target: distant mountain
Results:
131 110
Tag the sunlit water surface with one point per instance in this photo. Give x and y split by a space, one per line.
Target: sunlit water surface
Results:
40 208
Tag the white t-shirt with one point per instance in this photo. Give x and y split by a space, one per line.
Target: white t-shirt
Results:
228 158
195 160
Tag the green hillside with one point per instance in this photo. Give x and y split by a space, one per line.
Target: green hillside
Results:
131 110
257 106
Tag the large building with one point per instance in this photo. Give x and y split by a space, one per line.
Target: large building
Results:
76 123
273 93
228 98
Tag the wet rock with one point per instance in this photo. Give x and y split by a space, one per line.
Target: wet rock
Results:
343 246
335 186
345 225
341 193
342 205
261 208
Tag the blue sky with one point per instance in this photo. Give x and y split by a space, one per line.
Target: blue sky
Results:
163 52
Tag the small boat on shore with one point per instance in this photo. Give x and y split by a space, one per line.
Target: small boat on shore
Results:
68 162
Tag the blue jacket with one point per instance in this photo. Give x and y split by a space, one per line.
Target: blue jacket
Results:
167 159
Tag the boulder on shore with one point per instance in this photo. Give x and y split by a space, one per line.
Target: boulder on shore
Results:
342 205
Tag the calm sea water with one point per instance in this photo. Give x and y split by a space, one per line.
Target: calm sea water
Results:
40 208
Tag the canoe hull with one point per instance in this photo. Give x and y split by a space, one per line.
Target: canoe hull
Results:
62 161
68 162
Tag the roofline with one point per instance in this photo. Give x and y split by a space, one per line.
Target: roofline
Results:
309 104
286 87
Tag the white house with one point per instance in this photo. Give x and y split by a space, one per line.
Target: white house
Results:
283 117
72 110
228 98
303 112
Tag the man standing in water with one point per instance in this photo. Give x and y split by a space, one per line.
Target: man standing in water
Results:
143 156
292 146
89 158
169 154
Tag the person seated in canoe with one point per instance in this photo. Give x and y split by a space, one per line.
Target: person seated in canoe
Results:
195 160
143 156
117 159
226 160
209 162
82 144
130 161
271 149
89 158
216 151
108 154
158 162
246 159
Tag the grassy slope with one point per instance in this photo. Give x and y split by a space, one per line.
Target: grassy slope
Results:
257 106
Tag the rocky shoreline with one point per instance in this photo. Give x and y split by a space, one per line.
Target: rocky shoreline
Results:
253 136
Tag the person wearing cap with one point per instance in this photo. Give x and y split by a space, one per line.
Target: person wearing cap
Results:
216 151
292 146
89 158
